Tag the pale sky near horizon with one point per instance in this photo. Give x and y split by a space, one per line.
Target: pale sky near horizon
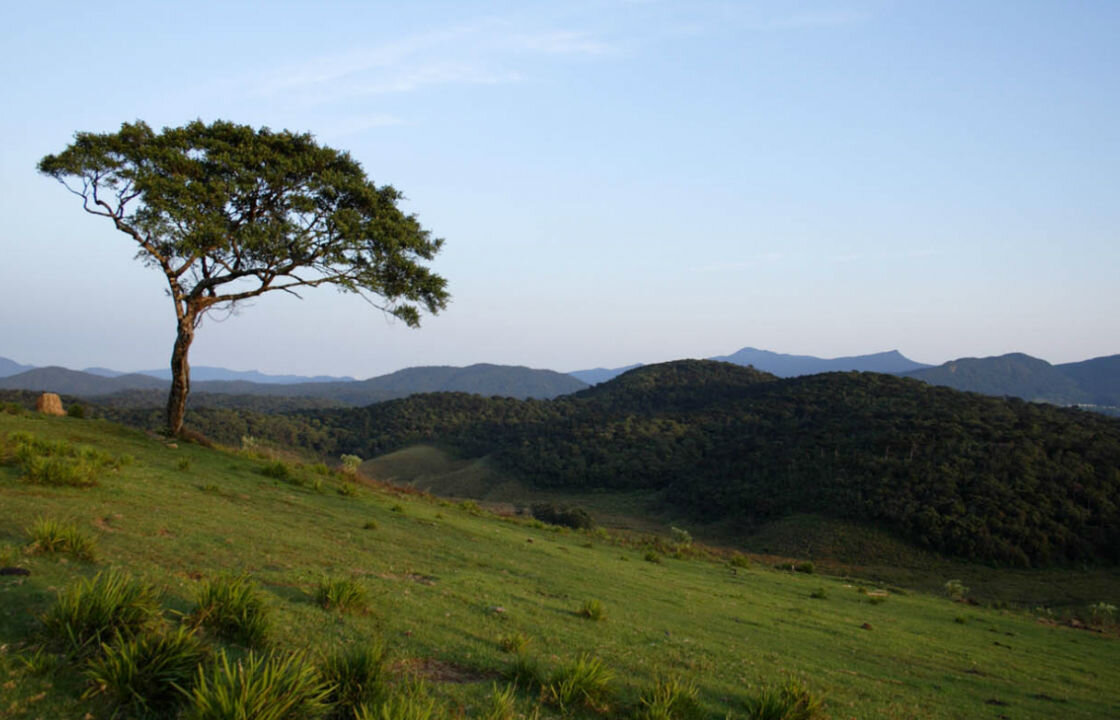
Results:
617 181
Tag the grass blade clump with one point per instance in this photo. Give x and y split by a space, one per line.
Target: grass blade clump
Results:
341 594
788 701
592 610
91 612
233 609
671 699
52 537
586 681
147 675
356 676
526 671
412 702
501 705
258 688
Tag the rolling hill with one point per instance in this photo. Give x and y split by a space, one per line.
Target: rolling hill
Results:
1013 375
992 479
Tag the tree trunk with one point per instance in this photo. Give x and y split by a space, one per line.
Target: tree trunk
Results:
180 376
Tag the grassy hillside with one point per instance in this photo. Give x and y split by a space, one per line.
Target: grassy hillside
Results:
446 583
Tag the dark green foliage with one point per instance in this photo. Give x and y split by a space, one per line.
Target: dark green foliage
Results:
147 675
94 611
258 687
233 609
76 411
565 515
277 470
356 676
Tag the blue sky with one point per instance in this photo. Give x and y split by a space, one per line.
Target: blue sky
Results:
616 181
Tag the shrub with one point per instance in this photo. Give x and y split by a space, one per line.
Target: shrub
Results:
563 515
585 681
369 525
347 489
471 507
806 567
93 611
147 675
350 464
956 590
651 556
500 705
273 688
233 609
397 508
739 560
670 699
54 536
592 610
681 538
355 676
340 594
76 411
515 642
1102 612
819 594
184 464
277 470
789 701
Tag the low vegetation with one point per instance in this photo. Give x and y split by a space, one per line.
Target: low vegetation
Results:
451 600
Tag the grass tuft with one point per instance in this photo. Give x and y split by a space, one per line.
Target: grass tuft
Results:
91 612
586 681
592 610
258 687
341 594
147 675
233 609
671 699
53 537
356 676
514 642
789 701
501 705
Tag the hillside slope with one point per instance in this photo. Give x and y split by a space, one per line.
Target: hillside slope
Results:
978 477
1012 375
435 576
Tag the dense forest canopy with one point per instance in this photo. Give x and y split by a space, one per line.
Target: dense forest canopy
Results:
998 480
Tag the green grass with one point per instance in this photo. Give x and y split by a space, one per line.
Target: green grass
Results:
145 676
232 608
55 537
340 594
96 610
433 583
258 687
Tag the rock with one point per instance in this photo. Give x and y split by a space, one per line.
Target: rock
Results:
496 609
49 404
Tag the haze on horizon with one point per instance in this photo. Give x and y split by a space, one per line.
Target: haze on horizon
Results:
617 181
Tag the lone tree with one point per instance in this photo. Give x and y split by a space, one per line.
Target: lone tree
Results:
228 212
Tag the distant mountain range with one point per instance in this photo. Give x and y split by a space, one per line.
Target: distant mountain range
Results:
482 379
204 372
784 365
1094 383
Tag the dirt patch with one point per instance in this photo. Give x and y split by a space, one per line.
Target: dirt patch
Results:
413 577
440 671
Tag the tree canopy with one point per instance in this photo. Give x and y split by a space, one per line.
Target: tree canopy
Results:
228 212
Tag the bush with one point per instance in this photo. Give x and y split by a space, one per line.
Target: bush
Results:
739 560
584 682
233 609
53 536
681 538
147 675
273 688
592 610
93 611
567 516
350 464
277 470
651 556
340 594
355 676
789 701
76 411
670 699
806 567
819 594
956 590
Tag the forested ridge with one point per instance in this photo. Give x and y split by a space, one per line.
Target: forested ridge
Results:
992 479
